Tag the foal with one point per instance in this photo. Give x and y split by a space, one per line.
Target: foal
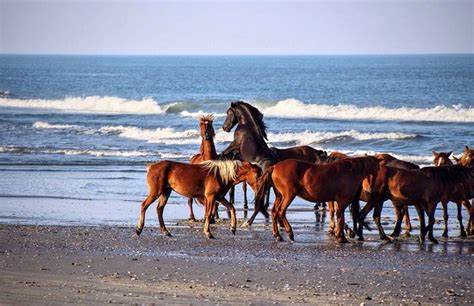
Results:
208 182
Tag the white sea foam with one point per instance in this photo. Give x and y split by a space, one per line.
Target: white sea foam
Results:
292 108
46 125
92 104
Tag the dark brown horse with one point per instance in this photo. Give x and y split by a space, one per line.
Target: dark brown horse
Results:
442 159
422 188
339 181
207 151
209 181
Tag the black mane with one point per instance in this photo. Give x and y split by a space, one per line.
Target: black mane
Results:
254 115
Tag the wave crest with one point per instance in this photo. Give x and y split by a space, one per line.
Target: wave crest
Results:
292 108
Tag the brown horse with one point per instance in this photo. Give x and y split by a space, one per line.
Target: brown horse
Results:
422 188
208 181
467 158
442 159
339 181
207 151
303 153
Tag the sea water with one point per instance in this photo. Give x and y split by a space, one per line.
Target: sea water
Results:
77 131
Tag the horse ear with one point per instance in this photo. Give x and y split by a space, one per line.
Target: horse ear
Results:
466 148
233 104
434 153
449 153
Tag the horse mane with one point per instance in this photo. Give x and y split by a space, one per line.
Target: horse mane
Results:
449 174
254 115
209 117
227 169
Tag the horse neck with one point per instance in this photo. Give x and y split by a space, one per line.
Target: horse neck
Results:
208 149
248 121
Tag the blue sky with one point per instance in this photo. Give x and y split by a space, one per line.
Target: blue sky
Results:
236 27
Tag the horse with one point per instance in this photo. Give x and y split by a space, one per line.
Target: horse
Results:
467 158
207 150
303 153
208 181
339 182
442 159
423 188
250 136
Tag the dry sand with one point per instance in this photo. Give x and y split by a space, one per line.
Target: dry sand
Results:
57 265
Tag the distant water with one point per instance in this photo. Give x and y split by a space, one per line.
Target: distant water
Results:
96 120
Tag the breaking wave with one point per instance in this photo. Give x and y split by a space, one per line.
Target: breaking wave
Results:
293 108
172 136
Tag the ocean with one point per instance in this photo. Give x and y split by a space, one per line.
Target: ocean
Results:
77 131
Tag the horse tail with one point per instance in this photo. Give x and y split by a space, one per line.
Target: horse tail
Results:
263 186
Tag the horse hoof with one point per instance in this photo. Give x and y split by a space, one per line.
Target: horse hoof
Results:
434 240
232 230
352 235
360 239
291 237
342 240
387 239
138 231
192 219
279 238
167 234
246 224
210 236
421 240
463 234
444 235
406 235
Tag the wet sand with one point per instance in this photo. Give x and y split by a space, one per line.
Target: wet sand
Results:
57 265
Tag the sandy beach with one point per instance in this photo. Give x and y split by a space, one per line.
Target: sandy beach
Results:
57 265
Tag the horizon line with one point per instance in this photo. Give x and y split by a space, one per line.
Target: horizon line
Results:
237 54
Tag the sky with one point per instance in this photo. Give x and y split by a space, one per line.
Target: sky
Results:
236 27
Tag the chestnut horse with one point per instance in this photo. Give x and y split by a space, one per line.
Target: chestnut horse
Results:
209 182
207 151
339 182
467 158
442 159
303 153
423 188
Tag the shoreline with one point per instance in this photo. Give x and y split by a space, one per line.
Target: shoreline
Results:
82 264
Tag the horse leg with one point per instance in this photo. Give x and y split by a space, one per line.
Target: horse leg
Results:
355 208
339 209
407 221
232 195
257 209
431 220
445 218
233 218
191 213
244 190
376 216
141 219
399 212
332 224
462 232
209 209
159 210
421 216
275 218
281 210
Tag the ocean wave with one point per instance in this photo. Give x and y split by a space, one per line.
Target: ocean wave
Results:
292 108
92 104
172 136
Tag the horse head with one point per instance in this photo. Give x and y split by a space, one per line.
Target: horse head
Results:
231 119
205 125
442 158
467 158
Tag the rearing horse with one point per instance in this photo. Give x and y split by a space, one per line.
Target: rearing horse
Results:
250 135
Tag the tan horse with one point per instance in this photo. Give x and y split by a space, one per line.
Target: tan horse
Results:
339 182
207 151
208 181
467 158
